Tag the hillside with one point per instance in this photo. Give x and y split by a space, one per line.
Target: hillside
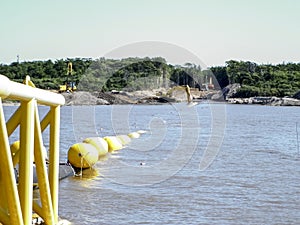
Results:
136 74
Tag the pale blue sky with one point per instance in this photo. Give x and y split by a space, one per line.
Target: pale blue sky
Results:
262 31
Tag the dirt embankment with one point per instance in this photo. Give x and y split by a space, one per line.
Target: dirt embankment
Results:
108 98
94 98
156 96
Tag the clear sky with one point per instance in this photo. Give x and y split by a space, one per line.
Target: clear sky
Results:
262 31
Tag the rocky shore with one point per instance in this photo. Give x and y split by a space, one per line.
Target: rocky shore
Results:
162 96
228 94
273 101
116 97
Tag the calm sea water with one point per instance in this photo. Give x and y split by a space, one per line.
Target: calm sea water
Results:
207 164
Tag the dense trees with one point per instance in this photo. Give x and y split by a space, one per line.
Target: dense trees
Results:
45 74
126 74
148 73
264 80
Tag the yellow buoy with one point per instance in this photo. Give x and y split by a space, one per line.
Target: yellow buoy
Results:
141 131
124 139
15 147
15 152
82 155
99 143
113 143
134 135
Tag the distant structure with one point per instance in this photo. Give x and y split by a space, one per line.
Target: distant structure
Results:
211 85
208 85
18 59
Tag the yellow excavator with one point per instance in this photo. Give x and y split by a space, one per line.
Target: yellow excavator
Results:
69 86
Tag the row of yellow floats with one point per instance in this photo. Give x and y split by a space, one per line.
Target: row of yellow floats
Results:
85 154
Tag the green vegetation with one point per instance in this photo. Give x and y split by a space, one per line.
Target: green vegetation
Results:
45 74
264 80
146 73
105 74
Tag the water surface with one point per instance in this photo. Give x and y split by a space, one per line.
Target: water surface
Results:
254 179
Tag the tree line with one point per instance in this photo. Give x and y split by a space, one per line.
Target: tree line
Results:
132 74
261 80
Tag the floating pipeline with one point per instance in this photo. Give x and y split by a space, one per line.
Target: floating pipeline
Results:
14 148
65 169
134 135
124 139
15 152
99 143
141 131
82 155
85 155
113 143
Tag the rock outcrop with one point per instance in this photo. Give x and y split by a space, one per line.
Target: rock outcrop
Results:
273 101
83 98
155 97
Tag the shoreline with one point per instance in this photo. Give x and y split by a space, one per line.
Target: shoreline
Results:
87 98
261 100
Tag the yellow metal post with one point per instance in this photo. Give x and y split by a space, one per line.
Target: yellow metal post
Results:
46 121
13 121
7 178
46 210
54 157
26 159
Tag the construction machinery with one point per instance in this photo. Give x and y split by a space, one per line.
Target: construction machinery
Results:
69 86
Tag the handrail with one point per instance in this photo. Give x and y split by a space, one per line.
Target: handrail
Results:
18 91
17 203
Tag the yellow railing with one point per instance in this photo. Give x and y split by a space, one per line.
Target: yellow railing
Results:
16 200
